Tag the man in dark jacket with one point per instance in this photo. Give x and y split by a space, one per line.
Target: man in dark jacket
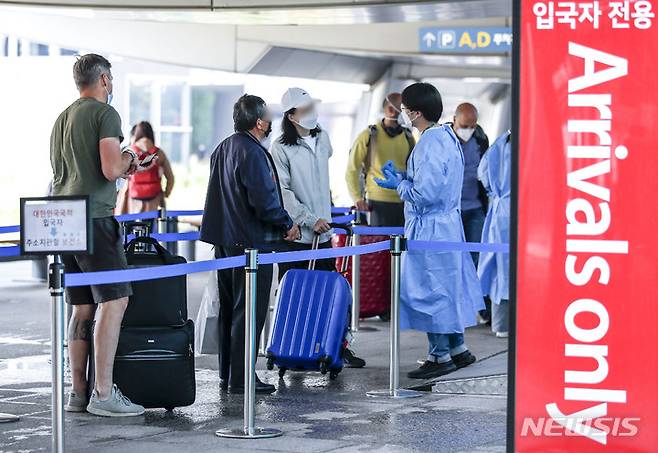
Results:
474 197
474 144
244 209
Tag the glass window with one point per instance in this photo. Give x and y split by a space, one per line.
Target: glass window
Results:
203 120
172 144
171 105
37 49
140 102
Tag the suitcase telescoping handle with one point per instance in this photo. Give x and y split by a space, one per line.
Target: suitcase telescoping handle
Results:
137 228
162 252
316 244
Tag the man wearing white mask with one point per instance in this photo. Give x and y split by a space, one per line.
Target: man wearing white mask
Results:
301 156
387 140
474 197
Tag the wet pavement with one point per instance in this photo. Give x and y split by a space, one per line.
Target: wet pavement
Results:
462 414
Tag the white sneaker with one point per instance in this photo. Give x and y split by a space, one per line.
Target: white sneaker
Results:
502 334
116 405
76 402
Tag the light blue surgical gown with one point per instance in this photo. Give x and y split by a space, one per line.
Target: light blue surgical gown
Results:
440 292
495 174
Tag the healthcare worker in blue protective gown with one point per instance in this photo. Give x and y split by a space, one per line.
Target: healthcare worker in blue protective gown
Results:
495 173
440 292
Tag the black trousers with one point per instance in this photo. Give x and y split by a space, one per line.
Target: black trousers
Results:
328 264
384 214
231 283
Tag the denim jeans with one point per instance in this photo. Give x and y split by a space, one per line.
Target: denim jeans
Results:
500 316
473 220
445 345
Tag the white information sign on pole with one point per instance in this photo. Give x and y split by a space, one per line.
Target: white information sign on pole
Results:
55 225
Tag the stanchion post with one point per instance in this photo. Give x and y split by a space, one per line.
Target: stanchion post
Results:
356 275
162 220
398 245
56 287
249 430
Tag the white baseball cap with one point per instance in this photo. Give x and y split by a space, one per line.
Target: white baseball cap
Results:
295 98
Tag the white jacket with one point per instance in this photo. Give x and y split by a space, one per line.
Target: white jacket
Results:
304 179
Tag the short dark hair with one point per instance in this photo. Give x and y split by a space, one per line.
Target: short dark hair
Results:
141 130
247 111
424 98
289 134
89 68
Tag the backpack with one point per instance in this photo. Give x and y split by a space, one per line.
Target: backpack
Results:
372 141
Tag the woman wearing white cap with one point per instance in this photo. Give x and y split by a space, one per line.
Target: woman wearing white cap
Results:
301 155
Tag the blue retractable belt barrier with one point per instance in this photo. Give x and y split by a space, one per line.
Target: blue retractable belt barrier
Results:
184 213
343 219
10 251
173 270
10 229
138 216
171 237
375 231
306 255
151 273
337 210
179 213
432 246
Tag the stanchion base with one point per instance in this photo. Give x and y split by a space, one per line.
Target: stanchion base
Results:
366 329
256 433
396 394
7 418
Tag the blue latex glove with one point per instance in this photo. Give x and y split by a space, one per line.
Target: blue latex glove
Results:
392 179
390 166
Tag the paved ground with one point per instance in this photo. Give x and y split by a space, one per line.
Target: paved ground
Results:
316 415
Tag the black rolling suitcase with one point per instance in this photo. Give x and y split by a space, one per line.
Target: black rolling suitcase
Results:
154 362
154 366
161 302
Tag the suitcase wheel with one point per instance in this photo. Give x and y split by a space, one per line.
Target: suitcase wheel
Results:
270 363
282 371
323 367
169 409
333 375
386 317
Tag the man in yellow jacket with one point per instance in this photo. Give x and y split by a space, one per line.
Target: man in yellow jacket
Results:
379 143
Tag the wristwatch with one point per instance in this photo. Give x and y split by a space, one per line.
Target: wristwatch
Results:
132 153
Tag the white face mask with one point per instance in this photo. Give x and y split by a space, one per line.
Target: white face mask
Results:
309 121
404 120
109 95
465 134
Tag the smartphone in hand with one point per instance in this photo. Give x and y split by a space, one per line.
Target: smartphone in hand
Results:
146 161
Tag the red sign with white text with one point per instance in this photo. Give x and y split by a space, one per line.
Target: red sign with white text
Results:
587 262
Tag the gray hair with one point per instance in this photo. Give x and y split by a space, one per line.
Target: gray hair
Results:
89 68
247 111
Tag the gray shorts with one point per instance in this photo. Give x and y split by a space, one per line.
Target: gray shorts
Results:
108 256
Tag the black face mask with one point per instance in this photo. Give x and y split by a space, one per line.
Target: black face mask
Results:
393 131
269 130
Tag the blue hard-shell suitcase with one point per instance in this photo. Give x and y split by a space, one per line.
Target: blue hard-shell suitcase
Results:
310 325
311 321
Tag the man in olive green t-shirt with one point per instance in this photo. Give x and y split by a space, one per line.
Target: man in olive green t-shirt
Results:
86 157
376 145
75 153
